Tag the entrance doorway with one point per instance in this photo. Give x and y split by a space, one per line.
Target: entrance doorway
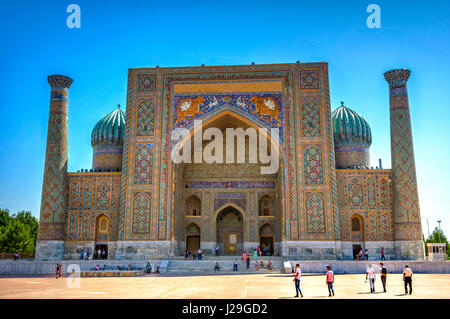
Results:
192 237
356 249
192 243
100 248
230 233
266 239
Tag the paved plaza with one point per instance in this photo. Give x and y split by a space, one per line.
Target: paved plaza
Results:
257 286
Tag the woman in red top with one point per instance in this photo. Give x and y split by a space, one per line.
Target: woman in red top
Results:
330 281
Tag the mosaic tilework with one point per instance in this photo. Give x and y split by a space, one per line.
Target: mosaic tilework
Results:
406 202
103 195
312 161
311 117
124 203
238 199
385 226
361 181
102 187
371 192
54 191
145 117
403 172
73 226
372 226
315 213
384 192
143 164
147 82
141 213
355 193
166 184
88 196
309 79
255 184
86 227
74 195
265 109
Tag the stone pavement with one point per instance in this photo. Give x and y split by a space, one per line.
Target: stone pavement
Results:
221 286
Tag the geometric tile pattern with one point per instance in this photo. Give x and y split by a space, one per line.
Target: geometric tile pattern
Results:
372 226
147 82
310 117
143 164
103 195
141 213
309 79
371 193
145 117
384 192
88 195
313 165
73 226
386 226
74 195
355 193
406 204
315 213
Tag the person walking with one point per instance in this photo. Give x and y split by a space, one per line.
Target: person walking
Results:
360 254
255 254
266 249
407 278
88 253
94 254
82 255
199 254
244 256
330 281
371 275
297 275
382 254
57 270
103 254
383 276
235 265
366 255
217 250
248 262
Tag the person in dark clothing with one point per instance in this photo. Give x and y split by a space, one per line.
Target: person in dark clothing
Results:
407 278
383 272
248 262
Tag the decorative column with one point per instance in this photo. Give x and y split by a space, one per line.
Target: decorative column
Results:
50 241
406 211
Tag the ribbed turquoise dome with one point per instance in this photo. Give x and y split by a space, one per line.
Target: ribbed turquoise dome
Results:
110 129
350 128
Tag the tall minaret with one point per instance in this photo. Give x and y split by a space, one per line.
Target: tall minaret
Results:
50 242
407 224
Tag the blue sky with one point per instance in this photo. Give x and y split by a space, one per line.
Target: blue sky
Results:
117 35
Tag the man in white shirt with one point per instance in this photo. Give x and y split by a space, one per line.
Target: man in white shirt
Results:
297 275
371 275
407 278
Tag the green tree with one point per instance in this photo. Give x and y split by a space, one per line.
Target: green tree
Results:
438 236
18 232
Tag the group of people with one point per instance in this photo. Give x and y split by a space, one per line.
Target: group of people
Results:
196 254
370 276
97 254
58 271
365 255
258 265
